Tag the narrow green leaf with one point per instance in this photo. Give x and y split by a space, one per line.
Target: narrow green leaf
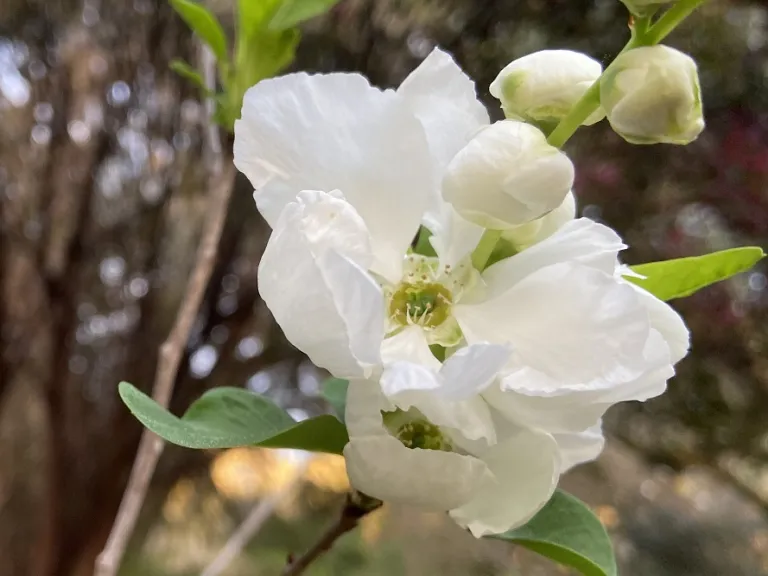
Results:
567 532
205 25
186 71
335 392
293 12
682 277
253 15
229 417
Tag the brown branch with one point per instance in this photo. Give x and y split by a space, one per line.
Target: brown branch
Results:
221 182
357 506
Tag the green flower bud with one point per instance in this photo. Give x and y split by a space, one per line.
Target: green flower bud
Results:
542 87
651 95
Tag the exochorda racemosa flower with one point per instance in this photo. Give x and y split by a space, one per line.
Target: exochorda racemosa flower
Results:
425 437
346 174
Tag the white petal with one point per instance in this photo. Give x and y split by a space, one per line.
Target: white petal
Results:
525 468
335 131
579 448
443 98
365 403
410 344
651 383
359 302
327 306
583 241
383 468
571 322
566 410
472 369
401 376
409 385
531 398
453 237
668 322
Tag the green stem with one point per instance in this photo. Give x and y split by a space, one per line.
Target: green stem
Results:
670 20
641 36
484 249
586 105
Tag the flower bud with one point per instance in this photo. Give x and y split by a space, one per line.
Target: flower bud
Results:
644 7
507 175
651 95
543 87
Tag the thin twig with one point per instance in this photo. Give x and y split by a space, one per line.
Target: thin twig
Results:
252 524
221 181
356 507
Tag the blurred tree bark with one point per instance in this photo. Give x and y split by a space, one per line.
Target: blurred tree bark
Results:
101 201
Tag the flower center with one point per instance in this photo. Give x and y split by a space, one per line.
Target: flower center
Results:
425 303
415 431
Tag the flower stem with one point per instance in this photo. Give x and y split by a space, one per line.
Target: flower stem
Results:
642 36
357 506
485 248
670 20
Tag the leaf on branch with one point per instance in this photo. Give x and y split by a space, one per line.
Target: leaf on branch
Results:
260 53
186 71
205 25
682 277
334 390
567 532
230 417
293 12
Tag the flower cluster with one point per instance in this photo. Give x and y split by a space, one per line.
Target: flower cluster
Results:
472 388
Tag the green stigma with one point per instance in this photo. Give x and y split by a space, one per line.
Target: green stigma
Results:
415 431
426 304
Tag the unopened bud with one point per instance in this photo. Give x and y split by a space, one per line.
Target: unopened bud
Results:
507 175
543 87
651 95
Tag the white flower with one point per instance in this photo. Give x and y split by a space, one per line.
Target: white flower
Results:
542 87
506 176
346 173
411 445
384 153
652 95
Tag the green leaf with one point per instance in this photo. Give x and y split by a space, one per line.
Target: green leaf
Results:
422 245
186 71
682 277
229 417
205 25
261 53
335 393
294 12
567 532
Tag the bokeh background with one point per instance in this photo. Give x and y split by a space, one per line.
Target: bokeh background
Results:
102 195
